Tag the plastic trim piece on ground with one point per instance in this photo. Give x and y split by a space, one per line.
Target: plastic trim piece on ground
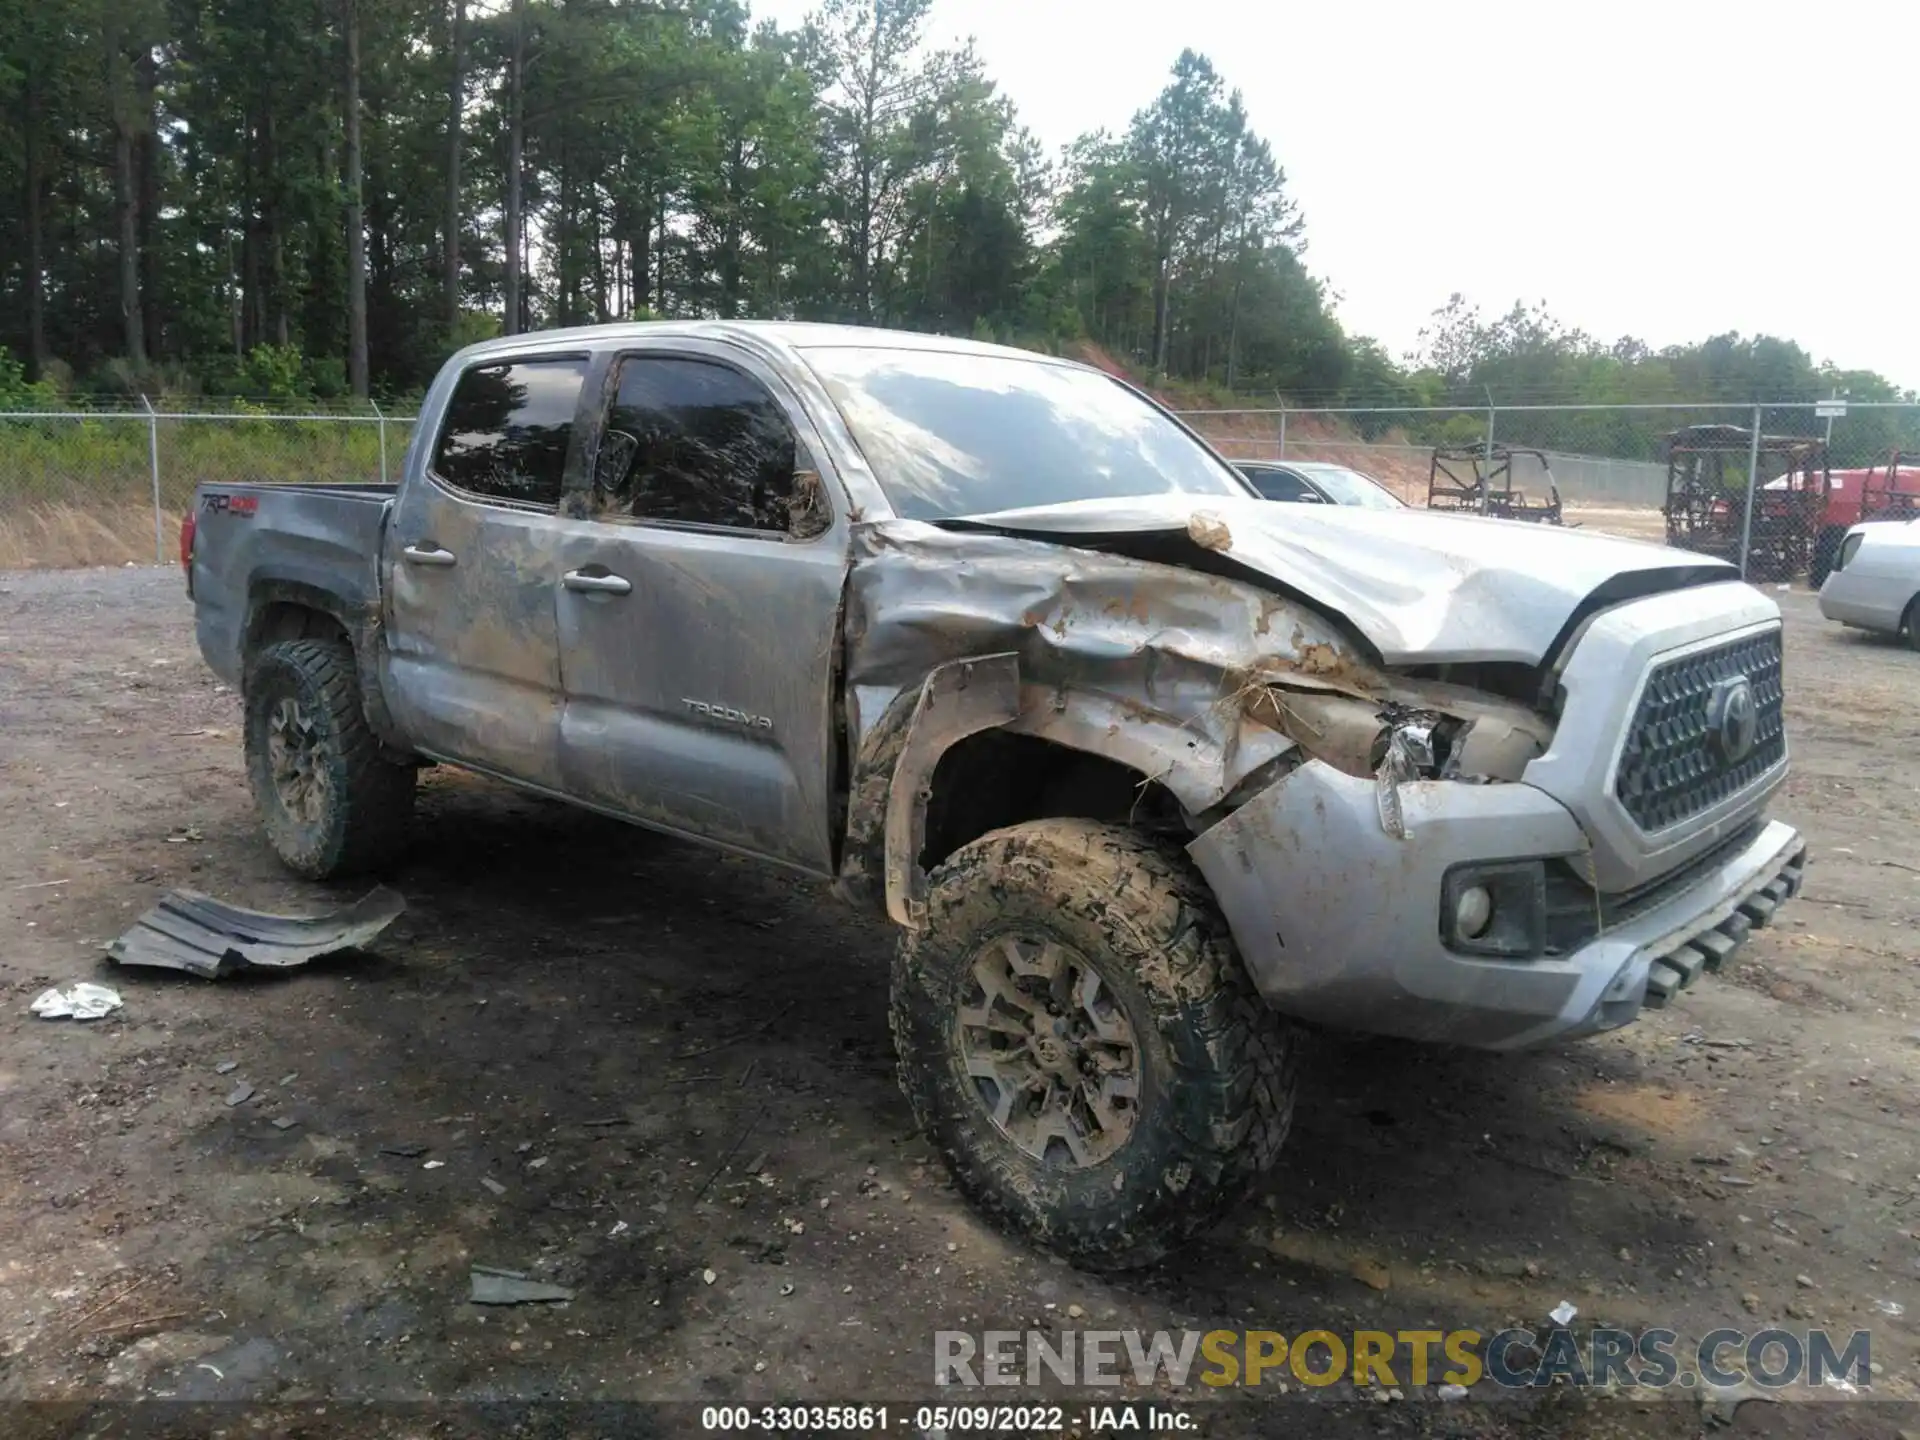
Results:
196 933
82 1000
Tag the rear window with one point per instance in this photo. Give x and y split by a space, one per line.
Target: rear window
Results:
1350 487
950 433
507 429
1279 484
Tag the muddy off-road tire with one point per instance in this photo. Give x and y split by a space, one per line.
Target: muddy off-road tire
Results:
331 803
1078 1038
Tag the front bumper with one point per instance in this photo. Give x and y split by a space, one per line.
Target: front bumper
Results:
1338 922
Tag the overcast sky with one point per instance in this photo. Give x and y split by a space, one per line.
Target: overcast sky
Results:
1664 170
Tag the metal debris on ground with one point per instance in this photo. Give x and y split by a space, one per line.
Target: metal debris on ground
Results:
200 935
493 1185
239 1095
82 1000
284 1122
494 1286
226 1067
1371 1273
1563 1313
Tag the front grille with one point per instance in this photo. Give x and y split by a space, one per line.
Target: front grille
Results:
1672 768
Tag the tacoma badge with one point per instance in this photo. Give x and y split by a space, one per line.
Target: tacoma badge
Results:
729 714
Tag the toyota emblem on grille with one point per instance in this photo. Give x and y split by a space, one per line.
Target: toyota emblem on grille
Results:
1733 719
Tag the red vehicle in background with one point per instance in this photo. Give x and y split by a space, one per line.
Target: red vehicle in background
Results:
1887 489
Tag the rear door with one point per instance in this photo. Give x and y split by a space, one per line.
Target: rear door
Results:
699 609
473 566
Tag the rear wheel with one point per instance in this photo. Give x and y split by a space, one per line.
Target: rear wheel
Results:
330 801
1078 1037
1910 624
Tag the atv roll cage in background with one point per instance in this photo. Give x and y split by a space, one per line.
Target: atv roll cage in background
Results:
1891 490
1479 479
1706 505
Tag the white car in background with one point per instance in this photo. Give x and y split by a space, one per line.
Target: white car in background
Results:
1313 482
1875 584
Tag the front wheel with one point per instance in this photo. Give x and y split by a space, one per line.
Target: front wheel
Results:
1078 1038
330 801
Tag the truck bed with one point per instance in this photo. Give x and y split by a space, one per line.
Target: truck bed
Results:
280 539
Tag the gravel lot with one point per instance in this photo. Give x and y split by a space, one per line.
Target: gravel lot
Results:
672 1065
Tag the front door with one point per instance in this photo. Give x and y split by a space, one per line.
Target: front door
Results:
473 567
699 611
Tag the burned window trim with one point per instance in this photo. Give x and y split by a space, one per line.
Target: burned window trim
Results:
456 491
808 449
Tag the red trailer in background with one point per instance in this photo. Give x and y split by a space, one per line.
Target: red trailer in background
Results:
1888 489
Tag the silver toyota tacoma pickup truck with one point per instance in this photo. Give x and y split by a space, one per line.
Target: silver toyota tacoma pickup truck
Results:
1150 773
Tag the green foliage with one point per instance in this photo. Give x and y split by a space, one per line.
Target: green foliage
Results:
1179 248
273 372
1526 357
677 159
472 327
16 393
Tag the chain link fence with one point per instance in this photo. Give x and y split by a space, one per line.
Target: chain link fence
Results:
1677 474
108 487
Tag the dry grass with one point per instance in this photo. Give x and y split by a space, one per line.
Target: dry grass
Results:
1634 522
58 534
80 492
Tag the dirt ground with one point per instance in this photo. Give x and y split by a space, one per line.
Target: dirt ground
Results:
676 1072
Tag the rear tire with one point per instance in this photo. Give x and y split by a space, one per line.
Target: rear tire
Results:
331 802
1910 624
1120 1085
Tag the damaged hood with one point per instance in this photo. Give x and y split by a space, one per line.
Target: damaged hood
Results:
1423 587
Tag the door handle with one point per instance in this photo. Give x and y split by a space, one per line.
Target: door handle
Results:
434 555
597 584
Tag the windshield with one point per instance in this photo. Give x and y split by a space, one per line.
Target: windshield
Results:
1350 487
950 433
